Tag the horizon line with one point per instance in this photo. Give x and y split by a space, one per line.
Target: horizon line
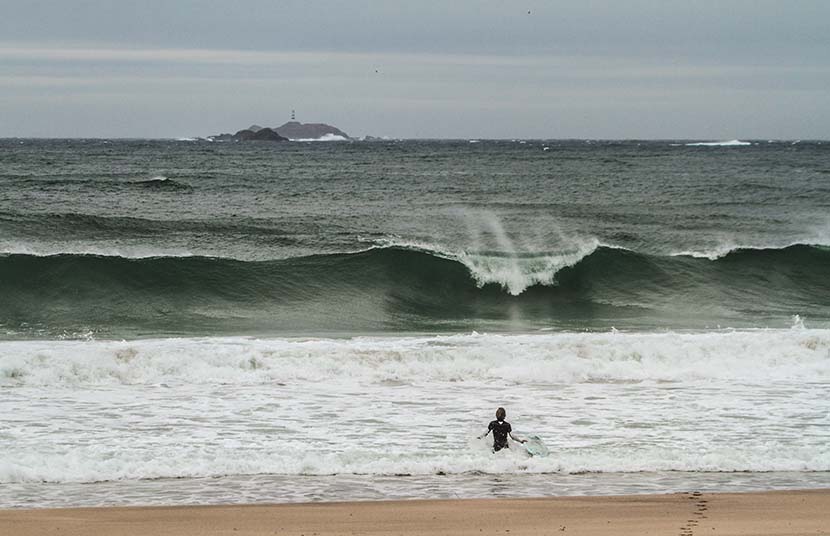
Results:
394 138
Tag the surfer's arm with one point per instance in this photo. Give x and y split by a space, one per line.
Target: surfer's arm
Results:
514 438
482 436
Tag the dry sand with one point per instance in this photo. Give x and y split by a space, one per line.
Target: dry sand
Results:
687 514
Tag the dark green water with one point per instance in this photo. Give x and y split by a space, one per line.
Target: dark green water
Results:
154 238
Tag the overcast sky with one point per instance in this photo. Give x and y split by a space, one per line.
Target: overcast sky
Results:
420 68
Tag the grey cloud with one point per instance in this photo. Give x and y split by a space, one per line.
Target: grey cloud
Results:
419 69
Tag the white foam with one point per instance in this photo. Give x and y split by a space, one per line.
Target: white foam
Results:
324 137
516 274
724 248
513 270
798 323
97 464
730 143
42 249
75 411
713 253
561 358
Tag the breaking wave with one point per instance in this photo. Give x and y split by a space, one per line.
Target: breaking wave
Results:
161 182
324 137
513 271
561 358
410 288
730 143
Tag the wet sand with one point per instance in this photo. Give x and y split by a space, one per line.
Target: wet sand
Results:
686 514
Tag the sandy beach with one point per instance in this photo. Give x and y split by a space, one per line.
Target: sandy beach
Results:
686 514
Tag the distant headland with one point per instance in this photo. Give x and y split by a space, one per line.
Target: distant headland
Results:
292 130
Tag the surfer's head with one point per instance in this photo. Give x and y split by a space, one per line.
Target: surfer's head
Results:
500 414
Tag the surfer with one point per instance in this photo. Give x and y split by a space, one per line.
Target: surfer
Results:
501 429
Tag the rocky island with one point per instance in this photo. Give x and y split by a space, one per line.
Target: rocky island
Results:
292 130
252 133
295 130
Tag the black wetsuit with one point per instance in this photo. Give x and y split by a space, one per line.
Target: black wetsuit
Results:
500 431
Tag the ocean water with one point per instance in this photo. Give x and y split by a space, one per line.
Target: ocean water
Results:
191 322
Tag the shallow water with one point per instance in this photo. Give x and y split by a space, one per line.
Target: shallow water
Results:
643 409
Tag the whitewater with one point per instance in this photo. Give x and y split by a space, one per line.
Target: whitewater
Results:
687 405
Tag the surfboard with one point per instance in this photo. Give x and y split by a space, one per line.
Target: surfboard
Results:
535 447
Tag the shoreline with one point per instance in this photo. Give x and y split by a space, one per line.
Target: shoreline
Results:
685 514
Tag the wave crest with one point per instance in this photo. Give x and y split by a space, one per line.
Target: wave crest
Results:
513 271
324 137
160 182
730 143
724 250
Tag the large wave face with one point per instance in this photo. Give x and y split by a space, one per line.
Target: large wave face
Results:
396 288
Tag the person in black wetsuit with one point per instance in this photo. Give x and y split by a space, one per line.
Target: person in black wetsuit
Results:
501 429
